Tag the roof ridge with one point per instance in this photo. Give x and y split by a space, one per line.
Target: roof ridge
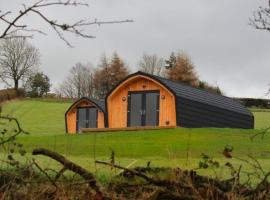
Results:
217 97
199 89
95 99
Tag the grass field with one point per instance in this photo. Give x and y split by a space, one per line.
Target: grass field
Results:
171 147
262 118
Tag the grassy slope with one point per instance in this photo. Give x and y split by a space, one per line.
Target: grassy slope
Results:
262 118
45 121
45 117
39 117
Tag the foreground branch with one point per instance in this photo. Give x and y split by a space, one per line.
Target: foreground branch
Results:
86 175
186 182
18 131
261 18
261 133
145 177
136 173
13 29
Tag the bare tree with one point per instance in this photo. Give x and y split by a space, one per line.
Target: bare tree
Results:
261 18
18 58
12 25
79 82
261 21
151 64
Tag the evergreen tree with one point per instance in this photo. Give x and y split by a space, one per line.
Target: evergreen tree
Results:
38 84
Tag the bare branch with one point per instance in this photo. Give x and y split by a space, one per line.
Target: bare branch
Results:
261 133
17 132
261 18
136 173
44 172
59 28
104 22
5 14
65 3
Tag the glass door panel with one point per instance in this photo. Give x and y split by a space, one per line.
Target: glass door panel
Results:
81 118
151 109
135 105
92 118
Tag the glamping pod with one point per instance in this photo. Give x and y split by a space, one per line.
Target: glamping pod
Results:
85 113
142 99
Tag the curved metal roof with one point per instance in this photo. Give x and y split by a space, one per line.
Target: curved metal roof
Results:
194 94
204 96
99 103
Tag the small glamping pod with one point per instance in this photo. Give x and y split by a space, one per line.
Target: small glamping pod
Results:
85 113
147 100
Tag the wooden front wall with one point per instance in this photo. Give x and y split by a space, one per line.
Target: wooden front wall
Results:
72 116
117 106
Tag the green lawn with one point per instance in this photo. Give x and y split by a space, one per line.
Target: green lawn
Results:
46 117
39 117
168 147
262 118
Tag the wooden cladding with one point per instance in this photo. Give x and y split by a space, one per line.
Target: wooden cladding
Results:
71 115
117 101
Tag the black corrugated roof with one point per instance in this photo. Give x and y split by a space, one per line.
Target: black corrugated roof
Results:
199 95
100 103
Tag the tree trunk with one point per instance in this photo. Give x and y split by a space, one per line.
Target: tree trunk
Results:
16 84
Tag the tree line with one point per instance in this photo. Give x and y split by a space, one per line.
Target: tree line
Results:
19 61
85 80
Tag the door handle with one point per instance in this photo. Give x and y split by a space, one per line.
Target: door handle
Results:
142 112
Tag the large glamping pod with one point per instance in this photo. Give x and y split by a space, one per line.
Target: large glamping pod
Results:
142 99
85 113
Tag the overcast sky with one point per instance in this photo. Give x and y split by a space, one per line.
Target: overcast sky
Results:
224 48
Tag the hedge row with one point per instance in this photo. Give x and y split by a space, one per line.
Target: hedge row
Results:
257 103
9 94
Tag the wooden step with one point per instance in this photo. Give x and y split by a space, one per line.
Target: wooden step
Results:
87 130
